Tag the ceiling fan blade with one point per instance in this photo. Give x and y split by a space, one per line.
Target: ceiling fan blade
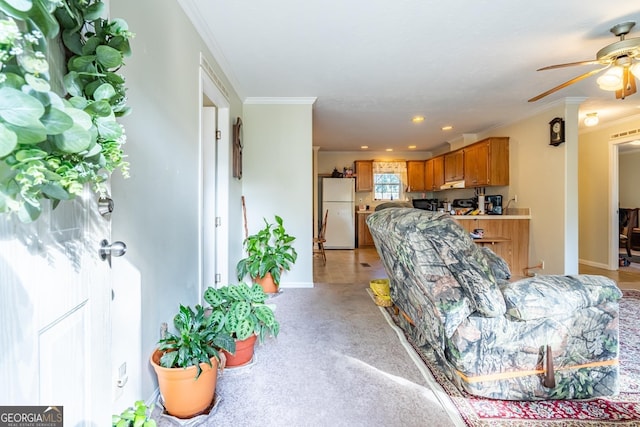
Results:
567 83
569 64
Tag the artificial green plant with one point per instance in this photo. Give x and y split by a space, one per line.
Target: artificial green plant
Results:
60 95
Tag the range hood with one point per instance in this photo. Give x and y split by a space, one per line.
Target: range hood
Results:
452 184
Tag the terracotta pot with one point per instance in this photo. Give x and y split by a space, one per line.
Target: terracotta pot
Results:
267 284
243 354
183 395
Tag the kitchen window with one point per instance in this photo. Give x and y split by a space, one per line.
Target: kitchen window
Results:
389 180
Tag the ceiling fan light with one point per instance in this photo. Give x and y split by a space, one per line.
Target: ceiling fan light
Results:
591 119
611 80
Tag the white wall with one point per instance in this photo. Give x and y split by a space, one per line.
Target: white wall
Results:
156 210
277 176
538 176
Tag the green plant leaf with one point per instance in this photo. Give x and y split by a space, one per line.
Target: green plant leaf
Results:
56 121
73 140
73 84
104 91
29 212
38 84
99 108
245 329
81 63
19 108
108 57
29 136
80 118
43 18
30 155
212 297
55 191
93 12
14 6
8 140
72 40
109 128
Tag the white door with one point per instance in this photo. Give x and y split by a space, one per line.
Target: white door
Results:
54 311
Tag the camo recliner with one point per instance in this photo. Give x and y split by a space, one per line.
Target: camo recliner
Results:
543 337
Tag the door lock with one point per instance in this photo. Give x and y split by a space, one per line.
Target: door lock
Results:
107 250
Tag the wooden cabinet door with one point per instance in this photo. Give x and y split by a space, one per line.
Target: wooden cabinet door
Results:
364 175
364 235
454 166
429 183
438 172
415 175
476 165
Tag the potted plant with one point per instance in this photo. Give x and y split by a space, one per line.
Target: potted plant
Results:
186 363
137 416
269 253
243 314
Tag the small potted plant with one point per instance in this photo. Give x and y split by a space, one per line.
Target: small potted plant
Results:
269 253
186 363
137 416
243 314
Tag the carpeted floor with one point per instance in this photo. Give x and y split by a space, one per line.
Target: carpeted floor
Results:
336 362
623 409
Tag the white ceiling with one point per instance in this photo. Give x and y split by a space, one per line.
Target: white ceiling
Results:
373 65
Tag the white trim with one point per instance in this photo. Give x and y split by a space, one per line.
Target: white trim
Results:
594 264
281 100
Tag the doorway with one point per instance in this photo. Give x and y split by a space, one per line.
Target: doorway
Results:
618 201
214 183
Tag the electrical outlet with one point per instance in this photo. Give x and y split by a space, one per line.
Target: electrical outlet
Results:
541 264
515 198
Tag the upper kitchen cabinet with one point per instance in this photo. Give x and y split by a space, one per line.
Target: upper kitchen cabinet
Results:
364 175
486 163
416 175
434 173
454 166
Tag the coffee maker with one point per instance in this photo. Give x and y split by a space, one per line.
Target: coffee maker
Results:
493 205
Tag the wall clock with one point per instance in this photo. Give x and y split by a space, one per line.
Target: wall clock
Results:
556 131
237 149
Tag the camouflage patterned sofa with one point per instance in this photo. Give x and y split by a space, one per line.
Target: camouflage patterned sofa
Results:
544 337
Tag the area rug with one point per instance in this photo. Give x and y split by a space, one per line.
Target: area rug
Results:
621 410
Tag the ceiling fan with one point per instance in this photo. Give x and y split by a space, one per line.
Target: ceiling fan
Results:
621 60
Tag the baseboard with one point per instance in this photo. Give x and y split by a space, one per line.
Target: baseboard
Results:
297 285
593 264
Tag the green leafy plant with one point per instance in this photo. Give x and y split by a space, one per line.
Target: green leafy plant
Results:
270 250
136 416
197 340
241 310
60 94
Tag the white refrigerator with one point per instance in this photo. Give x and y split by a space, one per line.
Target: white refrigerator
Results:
337 197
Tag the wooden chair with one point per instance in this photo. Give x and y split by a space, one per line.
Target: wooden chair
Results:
320 240
627 231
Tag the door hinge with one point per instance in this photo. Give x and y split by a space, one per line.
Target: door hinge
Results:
218 221
218 278
218 134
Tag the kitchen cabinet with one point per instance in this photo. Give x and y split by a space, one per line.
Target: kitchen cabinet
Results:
486 163
508 238
454 166
364 235
416 175
434 173
364 175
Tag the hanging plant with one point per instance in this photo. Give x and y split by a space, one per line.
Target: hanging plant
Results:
60 95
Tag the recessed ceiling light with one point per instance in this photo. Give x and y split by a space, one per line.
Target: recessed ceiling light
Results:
364 147
447 127
417 119
412 147
389 149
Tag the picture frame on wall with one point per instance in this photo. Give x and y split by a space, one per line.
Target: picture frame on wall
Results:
237 148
